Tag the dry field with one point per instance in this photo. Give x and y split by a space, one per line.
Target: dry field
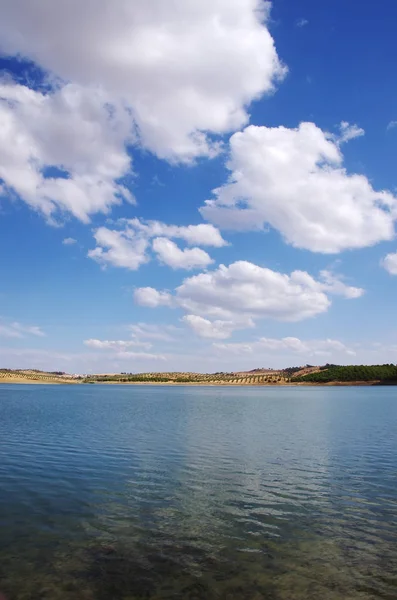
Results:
29 376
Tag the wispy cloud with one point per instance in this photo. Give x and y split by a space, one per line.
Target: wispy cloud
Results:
301 22
292 344
118 345
349 132
69 241
160 333
18 330
391 125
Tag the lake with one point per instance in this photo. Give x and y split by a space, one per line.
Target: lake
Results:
157 492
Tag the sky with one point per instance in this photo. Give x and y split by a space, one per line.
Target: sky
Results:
197 186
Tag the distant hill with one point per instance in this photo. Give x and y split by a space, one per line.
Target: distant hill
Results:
309 374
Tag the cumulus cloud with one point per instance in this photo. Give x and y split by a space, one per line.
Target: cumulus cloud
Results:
203 234
217 329
128 247
63 151
246 291
294 181
152 298
390 263
185 69
18 330
285 345
170 254
119 249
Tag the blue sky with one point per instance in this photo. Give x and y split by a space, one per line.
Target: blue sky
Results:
204 187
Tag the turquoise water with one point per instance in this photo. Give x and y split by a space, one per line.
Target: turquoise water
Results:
132 492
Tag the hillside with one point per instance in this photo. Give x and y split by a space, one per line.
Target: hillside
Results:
352 373
34 376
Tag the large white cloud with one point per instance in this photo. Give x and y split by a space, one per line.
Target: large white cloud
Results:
246 291
390 263
294 180
72 130
185 68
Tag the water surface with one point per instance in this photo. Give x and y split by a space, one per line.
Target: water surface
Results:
132 492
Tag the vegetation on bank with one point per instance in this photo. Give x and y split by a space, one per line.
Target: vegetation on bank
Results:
191 378
335 373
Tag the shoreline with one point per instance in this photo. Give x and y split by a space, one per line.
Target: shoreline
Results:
26 381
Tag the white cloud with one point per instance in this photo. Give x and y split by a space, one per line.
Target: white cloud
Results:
246 291
119 345
390 263
18 330
302 22
119 249
217 329
128 247
294 180
203 234
184 69
170 254
69 241
152 298
286 345
63 151
391 125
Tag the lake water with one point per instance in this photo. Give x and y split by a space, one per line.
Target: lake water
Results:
132 492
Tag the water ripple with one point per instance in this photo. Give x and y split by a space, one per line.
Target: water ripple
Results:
157 492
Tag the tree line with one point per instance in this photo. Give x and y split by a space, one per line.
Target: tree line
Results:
387 372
